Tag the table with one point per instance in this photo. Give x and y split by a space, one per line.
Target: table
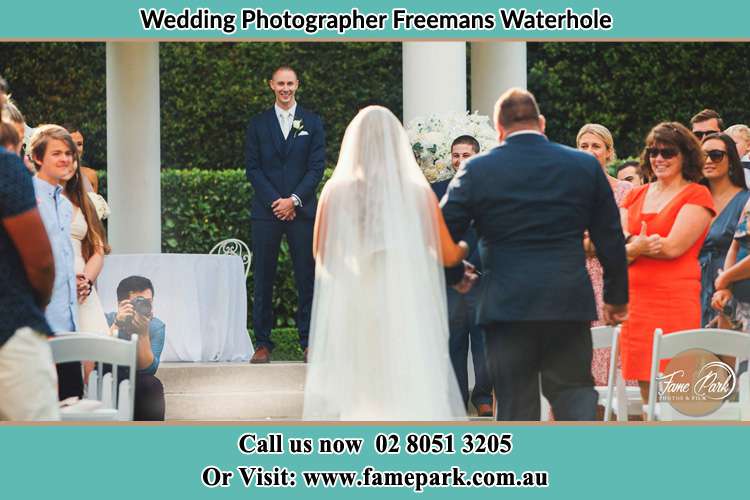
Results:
201 298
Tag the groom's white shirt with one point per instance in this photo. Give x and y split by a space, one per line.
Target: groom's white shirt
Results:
285 117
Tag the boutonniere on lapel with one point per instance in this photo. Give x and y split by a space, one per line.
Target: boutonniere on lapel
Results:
298 127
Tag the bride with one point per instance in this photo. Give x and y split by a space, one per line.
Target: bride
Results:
379 330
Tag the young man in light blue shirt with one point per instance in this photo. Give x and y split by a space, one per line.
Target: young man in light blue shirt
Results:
54 152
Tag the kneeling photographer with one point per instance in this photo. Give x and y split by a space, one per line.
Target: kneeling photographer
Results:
135 315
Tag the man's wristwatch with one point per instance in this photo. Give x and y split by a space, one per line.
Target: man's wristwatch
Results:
296 200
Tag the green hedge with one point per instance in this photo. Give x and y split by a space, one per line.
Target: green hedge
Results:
287 344
208 91
630 87
202 207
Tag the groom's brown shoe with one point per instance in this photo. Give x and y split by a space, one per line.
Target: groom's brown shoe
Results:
484 410
261 355
306 354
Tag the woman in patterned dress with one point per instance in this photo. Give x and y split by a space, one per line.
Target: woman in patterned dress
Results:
597 140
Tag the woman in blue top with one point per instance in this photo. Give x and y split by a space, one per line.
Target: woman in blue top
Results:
734 281
725 178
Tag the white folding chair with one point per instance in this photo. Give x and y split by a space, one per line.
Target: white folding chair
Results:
603 337
716 341
233 246
615 395
105 400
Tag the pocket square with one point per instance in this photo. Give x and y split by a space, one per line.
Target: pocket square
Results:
304 132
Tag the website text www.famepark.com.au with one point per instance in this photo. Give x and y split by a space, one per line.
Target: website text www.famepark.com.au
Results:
370 477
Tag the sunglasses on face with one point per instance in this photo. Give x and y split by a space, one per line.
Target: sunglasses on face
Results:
665 153
700 134
715 155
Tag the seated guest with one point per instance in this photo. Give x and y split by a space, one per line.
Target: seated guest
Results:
53 152
9 140
135 295
722 174
27 373
463 328
89 173
630 171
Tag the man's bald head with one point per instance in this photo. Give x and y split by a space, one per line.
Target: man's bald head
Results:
517 110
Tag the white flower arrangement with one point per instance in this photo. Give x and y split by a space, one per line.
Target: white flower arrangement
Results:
431 138
100 204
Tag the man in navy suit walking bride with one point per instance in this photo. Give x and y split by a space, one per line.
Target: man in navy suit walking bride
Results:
284 159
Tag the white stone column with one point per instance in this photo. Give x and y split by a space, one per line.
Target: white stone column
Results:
495 67
133 147
434 78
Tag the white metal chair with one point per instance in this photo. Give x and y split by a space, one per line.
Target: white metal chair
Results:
233 246
717 341
105 400
615 395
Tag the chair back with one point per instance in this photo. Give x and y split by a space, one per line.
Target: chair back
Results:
74 346
233 246
714 340
607 336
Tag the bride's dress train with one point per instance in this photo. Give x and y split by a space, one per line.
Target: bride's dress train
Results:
379 330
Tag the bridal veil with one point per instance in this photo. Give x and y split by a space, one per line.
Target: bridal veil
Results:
379 329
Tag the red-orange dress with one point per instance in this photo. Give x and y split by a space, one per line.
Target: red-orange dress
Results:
663 293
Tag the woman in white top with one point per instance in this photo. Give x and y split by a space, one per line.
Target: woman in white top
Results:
89 246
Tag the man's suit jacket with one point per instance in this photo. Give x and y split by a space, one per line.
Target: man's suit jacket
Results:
439 188
278 167
531 200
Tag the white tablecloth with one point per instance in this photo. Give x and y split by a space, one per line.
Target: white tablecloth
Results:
201 298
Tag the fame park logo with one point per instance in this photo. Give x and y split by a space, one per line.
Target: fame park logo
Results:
696 382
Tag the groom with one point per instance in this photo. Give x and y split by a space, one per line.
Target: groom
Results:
284 159
531 200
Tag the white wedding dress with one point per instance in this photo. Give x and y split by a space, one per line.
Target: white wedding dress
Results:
91 317
379 329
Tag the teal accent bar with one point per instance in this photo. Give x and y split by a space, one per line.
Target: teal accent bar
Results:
166 461
121 20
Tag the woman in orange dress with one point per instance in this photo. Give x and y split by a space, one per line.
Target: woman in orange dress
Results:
665 222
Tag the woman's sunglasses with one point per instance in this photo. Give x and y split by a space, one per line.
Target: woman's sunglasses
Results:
715 155
665 153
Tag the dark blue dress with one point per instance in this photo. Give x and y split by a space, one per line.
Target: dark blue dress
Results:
715 248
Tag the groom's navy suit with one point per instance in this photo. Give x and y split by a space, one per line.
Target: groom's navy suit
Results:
277 168
531 201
